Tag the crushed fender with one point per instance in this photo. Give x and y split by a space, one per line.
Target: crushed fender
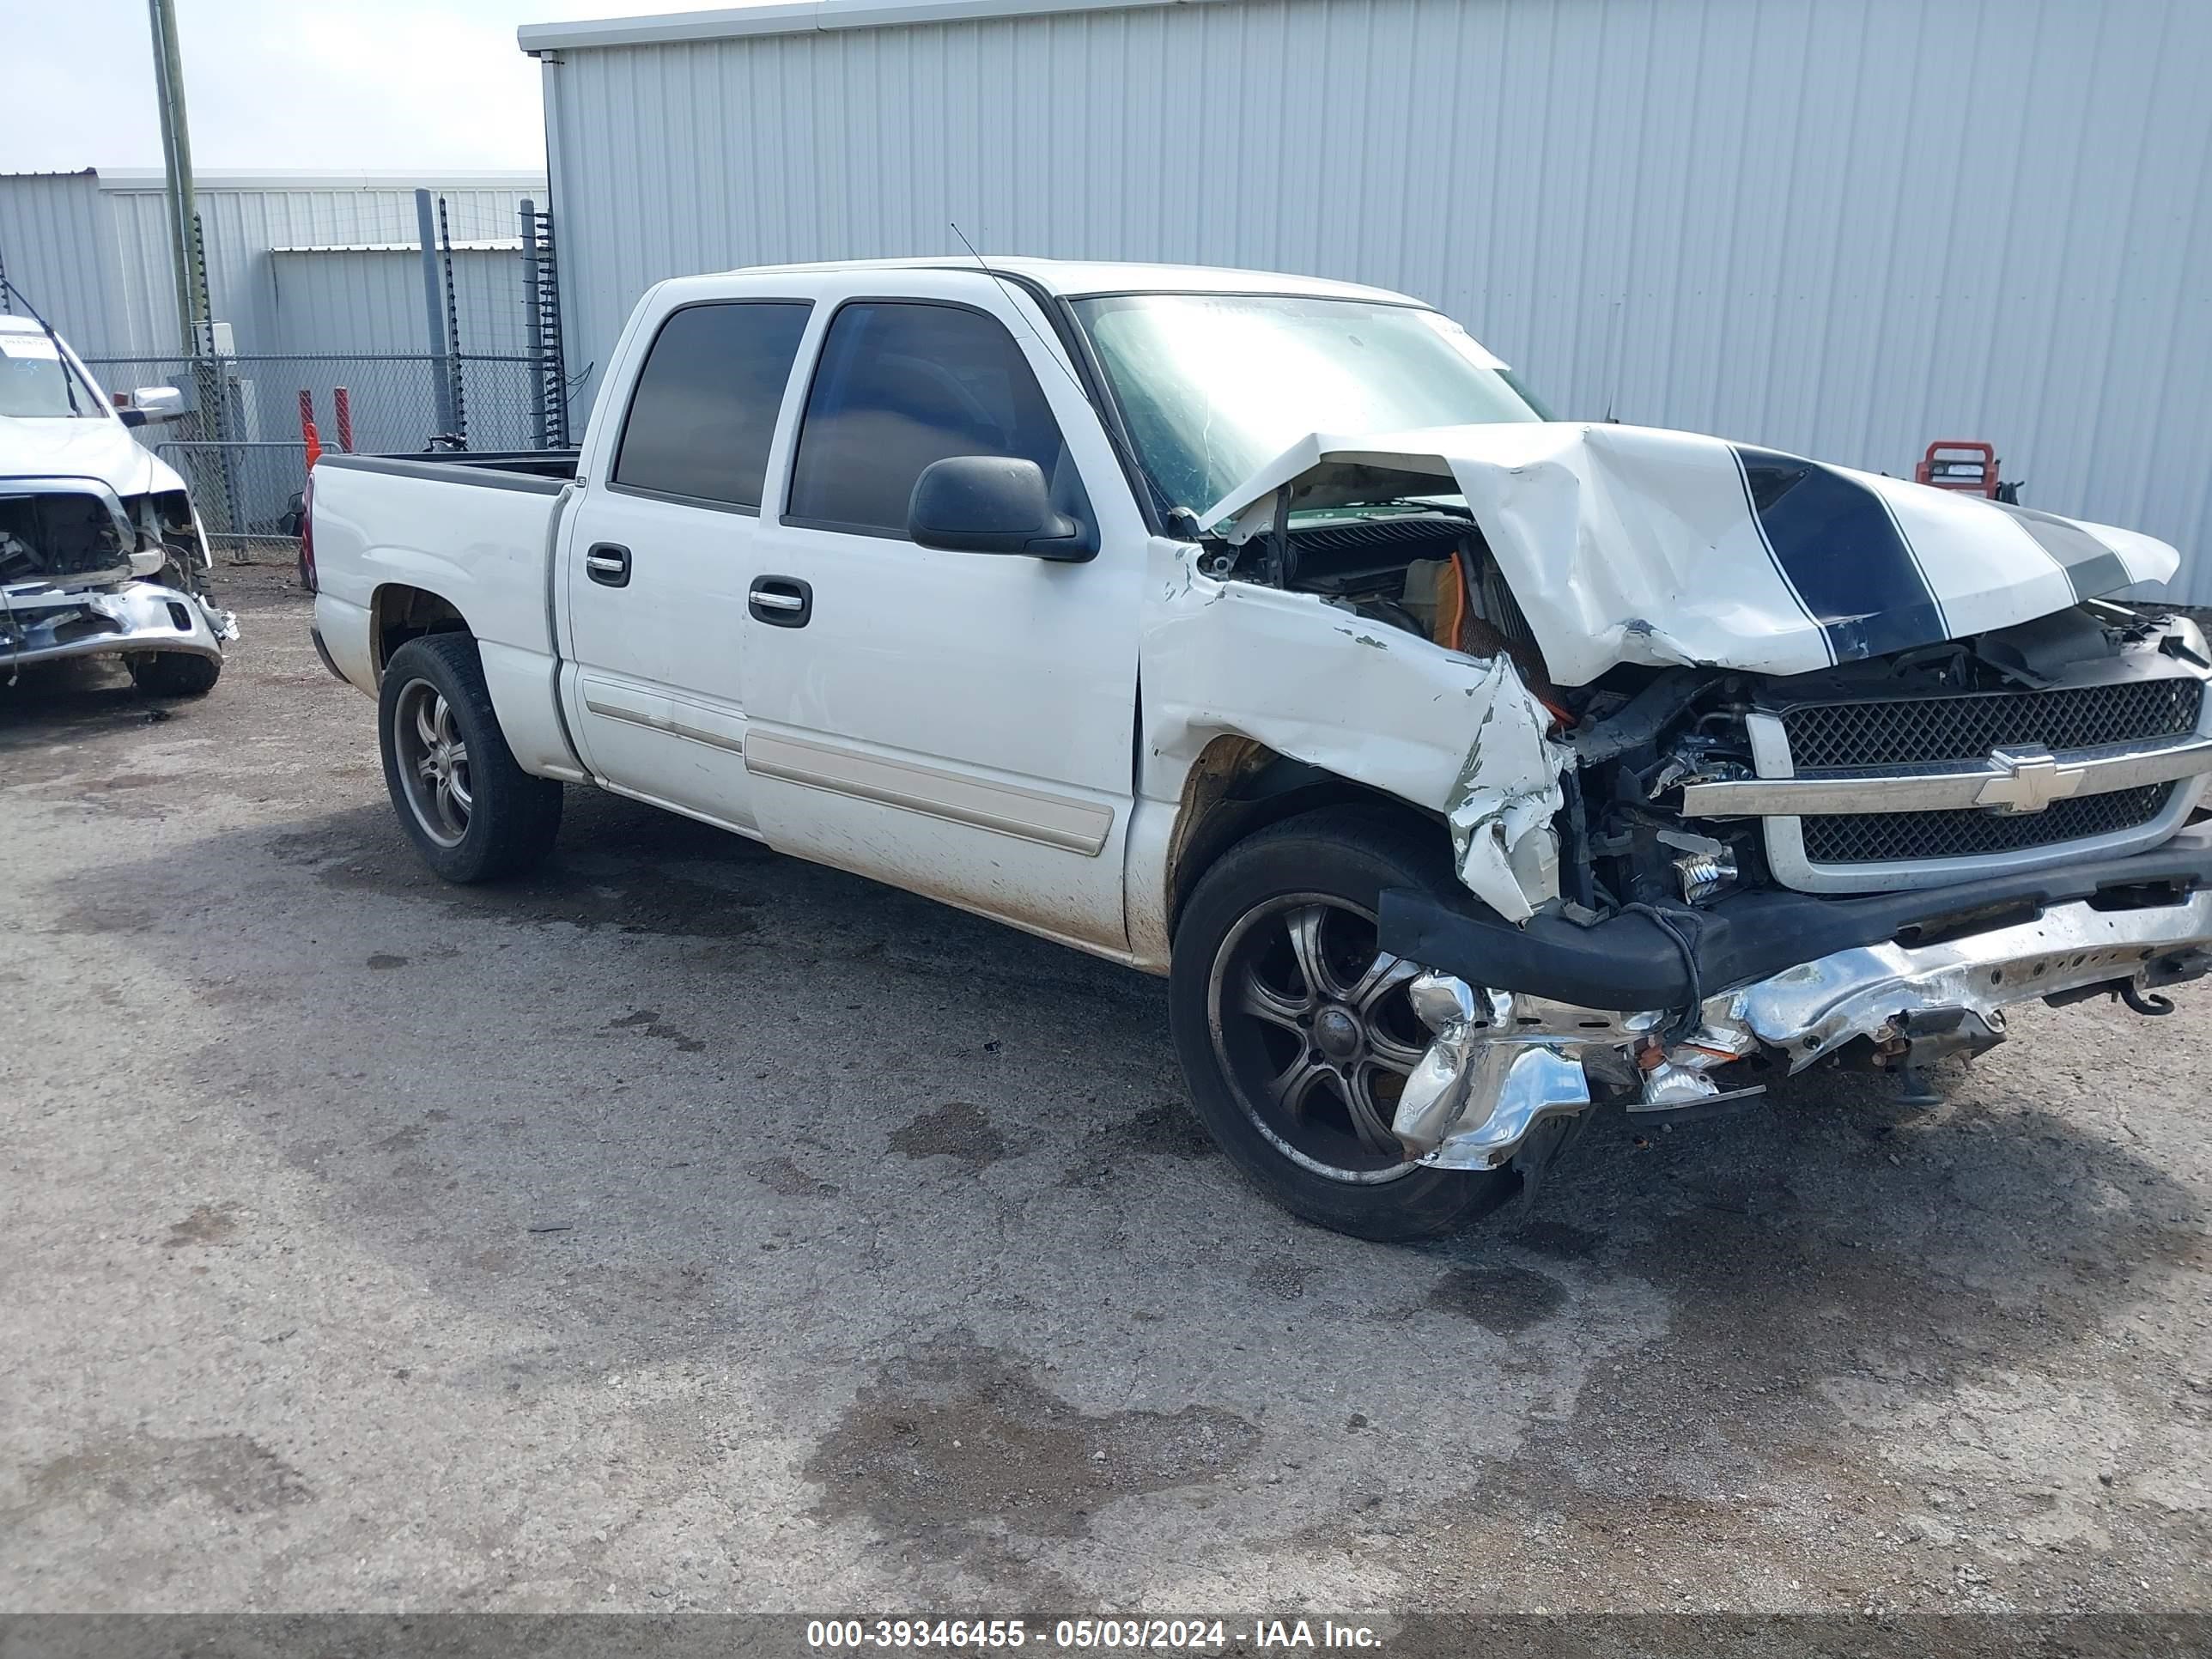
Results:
1458 735
1505 800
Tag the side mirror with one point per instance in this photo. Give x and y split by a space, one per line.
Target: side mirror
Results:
993 504
154 403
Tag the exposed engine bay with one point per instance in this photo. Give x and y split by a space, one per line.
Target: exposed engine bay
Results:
57 533
1646 745
1698 820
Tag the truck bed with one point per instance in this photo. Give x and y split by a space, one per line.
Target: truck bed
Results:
542 472
473 530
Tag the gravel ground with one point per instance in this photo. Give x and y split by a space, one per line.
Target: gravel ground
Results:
688 1227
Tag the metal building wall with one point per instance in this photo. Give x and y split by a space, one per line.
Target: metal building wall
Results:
353 318
1839 229
99 243
368 301
242 220
55 246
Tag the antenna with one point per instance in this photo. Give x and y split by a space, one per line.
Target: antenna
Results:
1018 312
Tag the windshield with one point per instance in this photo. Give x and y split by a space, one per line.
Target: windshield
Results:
1211 385
35 383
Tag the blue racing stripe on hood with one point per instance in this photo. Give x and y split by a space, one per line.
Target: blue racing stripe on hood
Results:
1836 544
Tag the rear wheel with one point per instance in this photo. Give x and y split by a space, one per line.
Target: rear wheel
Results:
1295 1030
175 673
473 814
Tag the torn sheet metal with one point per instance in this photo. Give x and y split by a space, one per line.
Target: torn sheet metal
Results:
1505 798
1480 1086
1631 544
41 623
1458 735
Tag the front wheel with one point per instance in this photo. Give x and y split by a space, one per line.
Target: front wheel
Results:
1295 1031
175 673
472 813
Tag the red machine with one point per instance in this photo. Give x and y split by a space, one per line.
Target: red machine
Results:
1952 463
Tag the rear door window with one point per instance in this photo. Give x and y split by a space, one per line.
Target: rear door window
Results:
705 407
900 385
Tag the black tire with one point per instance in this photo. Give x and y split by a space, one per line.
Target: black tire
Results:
1320 1155
175 673
472 813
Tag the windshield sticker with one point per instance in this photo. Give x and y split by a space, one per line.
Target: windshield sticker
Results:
28 345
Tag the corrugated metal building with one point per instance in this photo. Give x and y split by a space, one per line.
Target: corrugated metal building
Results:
92 249
367 300
1843 230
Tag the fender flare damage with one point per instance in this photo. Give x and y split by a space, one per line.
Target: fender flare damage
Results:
1506 797
1460 737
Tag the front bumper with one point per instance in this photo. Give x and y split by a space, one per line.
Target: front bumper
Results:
1501 1062
40 623
1884 992
1629 962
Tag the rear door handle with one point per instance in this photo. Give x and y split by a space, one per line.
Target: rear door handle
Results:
607 564
780 601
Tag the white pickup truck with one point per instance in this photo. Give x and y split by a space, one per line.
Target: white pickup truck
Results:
1460 768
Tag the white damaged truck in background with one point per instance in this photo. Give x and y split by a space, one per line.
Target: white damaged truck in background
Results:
1462 770
100 551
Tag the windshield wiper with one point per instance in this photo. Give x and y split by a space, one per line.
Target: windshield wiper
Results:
61 353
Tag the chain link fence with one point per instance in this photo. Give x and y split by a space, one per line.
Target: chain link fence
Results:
339 359
241 444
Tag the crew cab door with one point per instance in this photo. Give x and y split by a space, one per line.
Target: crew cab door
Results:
661 546
958 723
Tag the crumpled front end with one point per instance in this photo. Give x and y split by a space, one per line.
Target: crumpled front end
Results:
74 560
1633 545
42 624
1746 762
1503 1062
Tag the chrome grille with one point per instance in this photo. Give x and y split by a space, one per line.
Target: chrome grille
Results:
1904 731
1896 837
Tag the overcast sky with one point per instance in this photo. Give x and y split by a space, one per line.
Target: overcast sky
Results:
349 84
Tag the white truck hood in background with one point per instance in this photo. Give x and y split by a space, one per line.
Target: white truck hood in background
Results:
1633 545
93 449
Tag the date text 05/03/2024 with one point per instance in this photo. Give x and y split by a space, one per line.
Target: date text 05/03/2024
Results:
1092 1635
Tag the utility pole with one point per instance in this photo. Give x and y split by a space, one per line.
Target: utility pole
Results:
177 163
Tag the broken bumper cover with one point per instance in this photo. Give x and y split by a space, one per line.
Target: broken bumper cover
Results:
1504 1062
1884 992
1629 962
42 624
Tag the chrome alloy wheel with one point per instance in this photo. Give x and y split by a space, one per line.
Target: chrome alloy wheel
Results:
433 762
1315 1033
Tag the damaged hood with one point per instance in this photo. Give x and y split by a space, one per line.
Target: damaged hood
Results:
98 448
1634 544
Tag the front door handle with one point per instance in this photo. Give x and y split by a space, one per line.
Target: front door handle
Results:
780 601
607 564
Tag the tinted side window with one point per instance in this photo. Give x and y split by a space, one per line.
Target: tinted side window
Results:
706 404
901 384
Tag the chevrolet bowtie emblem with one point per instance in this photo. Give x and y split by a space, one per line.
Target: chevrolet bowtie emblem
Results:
2026 781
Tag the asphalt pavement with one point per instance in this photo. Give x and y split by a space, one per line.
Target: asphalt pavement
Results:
688 1227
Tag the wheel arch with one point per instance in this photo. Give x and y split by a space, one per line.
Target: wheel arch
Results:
1238 787
400 611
